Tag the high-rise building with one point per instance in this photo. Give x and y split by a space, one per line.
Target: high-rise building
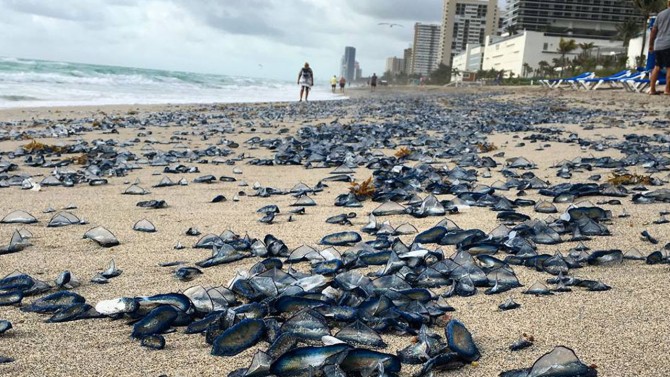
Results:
395 66
358 72
349 63
407 57
570 18
466 21
425 58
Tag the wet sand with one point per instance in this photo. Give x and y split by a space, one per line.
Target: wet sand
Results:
623 331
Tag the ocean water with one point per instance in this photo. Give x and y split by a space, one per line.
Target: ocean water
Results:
25 82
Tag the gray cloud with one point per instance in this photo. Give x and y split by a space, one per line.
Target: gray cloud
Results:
74 10
399 10
250 17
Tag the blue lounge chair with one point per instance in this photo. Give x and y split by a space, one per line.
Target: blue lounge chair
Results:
614 80
640 84
556 83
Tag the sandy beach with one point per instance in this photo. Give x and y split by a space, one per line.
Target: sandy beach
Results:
622 331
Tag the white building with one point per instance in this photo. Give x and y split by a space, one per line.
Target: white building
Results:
467 62
511 52
634 48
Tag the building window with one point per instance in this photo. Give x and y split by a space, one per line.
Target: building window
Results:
460 9
545 47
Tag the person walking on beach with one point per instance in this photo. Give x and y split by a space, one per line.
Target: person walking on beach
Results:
659 42
343 82
333 83
373 80
305 80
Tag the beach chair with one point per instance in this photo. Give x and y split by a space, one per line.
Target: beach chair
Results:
556 83
641 83
632 84
614 80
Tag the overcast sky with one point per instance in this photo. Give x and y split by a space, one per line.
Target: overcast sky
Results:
231 37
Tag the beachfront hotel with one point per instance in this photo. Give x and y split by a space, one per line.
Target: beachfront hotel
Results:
395 65
425 50
595 19
463 22
407 57
509 53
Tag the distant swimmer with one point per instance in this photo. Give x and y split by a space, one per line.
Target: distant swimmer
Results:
333 83
343 82
305 80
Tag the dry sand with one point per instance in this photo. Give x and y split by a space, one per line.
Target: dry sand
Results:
623 331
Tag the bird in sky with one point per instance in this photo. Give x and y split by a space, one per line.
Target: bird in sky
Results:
389 24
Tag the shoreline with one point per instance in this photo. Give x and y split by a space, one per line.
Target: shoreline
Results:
54 112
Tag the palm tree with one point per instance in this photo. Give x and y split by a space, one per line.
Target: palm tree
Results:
511 30
627 30
527 69
587 47
565 46
544 68
647 7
